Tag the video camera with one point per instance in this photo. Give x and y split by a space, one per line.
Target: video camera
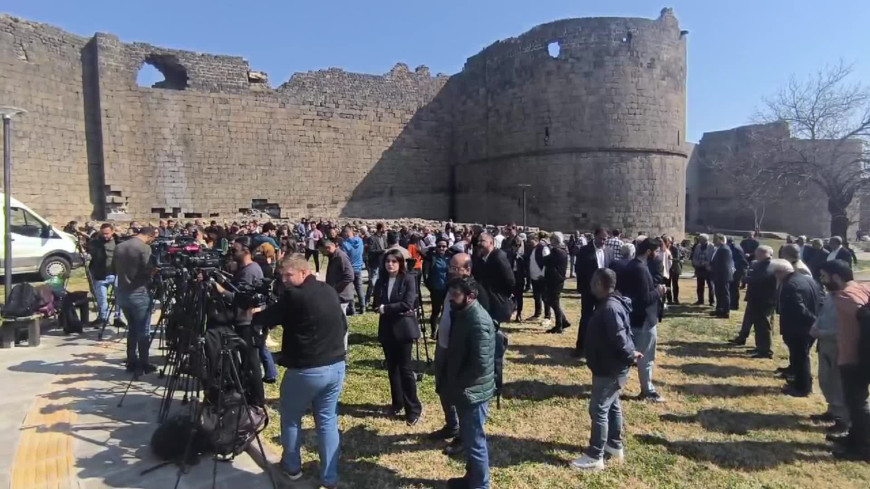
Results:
168 253
245 295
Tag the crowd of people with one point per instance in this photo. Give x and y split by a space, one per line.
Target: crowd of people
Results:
476 278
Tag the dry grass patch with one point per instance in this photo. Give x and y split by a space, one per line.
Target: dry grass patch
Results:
724 425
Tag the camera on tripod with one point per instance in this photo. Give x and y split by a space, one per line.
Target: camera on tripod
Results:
252 296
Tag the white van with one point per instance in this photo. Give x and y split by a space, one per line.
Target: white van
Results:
37 246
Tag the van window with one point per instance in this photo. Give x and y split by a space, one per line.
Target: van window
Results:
24 223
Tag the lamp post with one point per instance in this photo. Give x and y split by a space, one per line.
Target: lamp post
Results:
7 113
524 187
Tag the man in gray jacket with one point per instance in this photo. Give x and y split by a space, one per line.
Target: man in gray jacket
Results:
339 272
825 330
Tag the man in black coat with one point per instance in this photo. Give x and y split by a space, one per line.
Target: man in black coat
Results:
816 254
339 272
800 299
636 283
722 273
493 272
839 251
555 267
749 245
760 303
589 258
740 266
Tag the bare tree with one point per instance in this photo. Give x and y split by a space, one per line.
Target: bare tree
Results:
829 118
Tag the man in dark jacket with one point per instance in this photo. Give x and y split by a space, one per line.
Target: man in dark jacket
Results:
591 257
493 272
555 267
101 247
339 272
375 246
610 353
722 274
535 256
740 266
636 283
760 303
469 380
313 351
816 254
749 245
800 299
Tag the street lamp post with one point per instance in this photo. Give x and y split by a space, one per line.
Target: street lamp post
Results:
524 187
7 113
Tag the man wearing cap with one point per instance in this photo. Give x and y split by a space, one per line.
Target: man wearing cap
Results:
133 269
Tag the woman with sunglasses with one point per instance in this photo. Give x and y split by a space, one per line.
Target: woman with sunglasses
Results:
397 330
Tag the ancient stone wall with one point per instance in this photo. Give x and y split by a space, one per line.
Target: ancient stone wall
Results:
718 203
41 71
590 112
597 130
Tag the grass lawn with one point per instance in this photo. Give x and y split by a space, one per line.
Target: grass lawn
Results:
724 425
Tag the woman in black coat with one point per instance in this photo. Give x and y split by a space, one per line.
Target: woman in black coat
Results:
397 330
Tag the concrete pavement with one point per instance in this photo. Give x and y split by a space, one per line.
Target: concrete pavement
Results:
61 427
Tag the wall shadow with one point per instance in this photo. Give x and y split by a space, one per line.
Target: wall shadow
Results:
535 390
716 371
93 128
540 354
723 390
691 349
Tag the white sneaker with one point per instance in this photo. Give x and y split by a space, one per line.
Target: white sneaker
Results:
587 463
615 454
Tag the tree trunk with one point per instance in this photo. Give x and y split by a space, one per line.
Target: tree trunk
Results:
839 219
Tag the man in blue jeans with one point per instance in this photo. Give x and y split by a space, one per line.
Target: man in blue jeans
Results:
313 352
354 247
133 268
609 354
102 250
469 377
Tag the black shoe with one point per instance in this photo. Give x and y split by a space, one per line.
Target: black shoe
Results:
130 368
575 353
699 303
652 397
119 324
455 447
534 317
414 419
838 428
457 483
839 439
566 325
822 418
793 391
738 341
148 369
762 354
782 370
555 330
96 323
853 454
270 380
444 433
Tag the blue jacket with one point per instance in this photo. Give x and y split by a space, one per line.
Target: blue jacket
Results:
354 249
609 348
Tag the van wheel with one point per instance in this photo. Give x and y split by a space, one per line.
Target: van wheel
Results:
54 266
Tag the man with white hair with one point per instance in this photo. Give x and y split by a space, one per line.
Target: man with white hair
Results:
838 251
800 299
760 303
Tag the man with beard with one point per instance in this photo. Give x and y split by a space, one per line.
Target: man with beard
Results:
853 359
494 275
760 303
799 302
459 267
469 377
102 250
339 272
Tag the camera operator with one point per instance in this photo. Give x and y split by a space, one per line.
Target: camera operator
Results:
133 268
249 272
102 250
313 352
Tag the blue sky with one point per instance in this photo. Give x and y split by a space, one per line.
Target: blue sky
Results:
739 50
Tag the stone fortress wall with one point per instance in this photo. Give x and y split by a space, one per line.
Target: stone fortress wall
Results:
596 130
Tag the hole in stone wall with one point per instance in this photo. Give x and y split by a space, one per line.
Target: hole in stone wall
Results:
263 205
162 71
215 214
546 135
193 215
554 48
678 138
627 38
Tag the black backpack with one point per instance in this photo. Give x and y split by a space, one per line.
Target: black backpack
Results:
22 301
231 430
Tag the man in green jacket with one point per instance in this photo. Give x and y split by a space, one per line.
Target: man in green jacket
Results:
469 379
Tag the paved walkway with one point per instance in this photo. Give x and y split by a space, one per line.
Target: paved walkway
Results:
61 427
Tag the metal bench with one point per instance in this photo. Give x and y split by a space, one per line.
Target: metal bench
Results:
11 326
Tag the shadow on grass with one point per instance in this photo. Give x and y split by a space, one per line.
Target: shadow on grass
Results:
741 422
723 390
701 349
744 454
717 371
535 390
541 355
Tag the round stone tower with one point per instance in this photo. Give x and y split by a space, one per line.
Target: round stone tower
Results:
589 112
